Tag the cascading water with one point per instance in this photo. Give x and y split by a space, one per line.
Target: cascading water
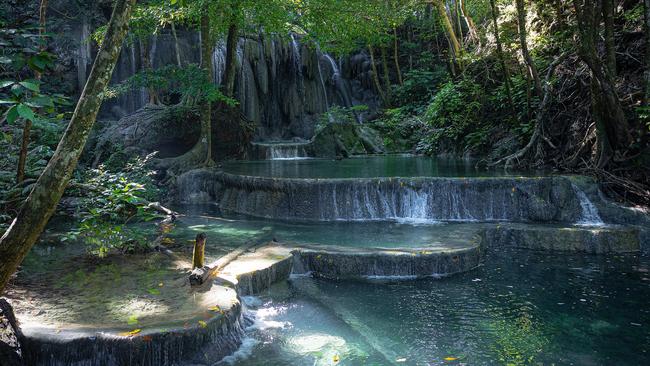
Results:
287 151
590 216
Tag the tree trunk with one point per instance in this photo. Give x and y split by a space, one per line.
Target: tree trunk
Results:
451 35
147 67
532 69
384 66
231 54
396 57
177 47
500 55
471 26
41 203
22 157
610 45
646 5
375 76
27 128
207 48
615 124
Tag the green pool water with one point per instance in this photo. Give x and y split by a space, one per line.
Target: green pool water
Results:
365 167
226 232
519 308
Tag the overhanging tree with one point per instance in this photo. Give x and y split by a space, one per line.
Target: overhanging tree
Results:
46 193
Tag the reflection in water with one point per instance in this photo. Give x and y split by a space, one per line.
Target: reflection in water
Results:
365 167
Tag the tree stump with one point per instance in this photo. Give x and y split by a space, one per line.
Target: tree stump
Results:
198 255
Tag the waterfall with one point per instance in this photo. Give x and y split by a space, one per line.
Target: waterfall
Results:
84 55
342 89
590 216
297 61
287 151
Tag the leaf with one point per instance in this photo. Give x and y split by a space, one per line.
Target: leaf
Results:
132 320
131 333
449 358
5 101
25 112
30 85
216 309
203 324
154 291
336 358
5 60
40 102
12 114
5 83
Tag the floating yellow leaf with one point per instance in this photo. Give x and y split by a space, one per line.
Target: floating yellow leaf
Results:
203 324
336 359
451 358
216 309
131 333
160 284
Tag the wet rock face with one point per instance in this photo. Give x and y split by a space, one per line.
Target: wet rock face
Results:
345 139
282 85
567 239
549 199
332 264
171 131
11 351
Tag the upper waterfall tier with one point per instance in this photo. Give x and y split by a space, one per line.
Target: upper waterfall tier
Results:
281 84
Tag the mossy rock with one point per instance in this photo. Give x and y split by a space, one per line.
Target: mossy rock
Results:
345 139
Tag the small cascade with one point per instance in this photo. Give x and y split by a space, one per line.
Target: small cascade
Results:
590 216
319 54
281 151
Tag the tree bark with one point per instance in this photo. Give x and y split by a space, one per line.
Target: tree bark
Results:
396 57
615 124
500 55
231 54
207 48
375 75
607 7
532 69
48 189
198 254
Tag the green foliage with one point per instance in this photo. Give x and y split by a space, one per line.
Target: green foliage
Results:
418 88
190 83
21 95
454 111
400 128
116 199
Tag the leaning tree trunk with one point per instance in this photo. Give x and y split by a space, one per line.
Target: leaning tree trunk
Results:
532 69
610 46
449 28
500 55
177 47
231 52
41 202
473 34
